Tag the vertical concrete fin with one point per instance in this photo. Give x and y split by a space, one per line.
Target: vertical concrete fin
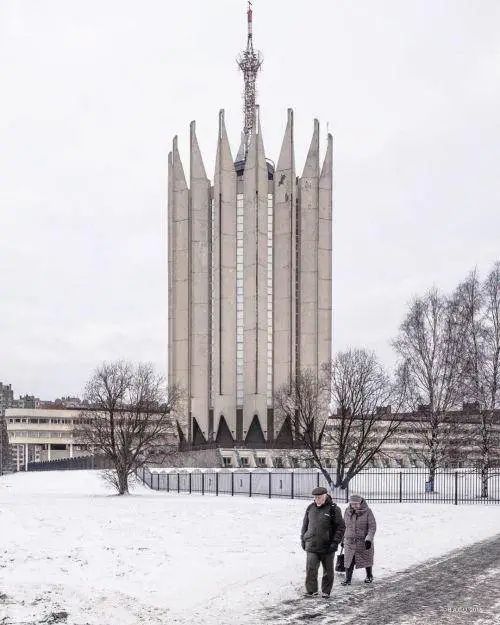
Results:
250 275
325 258
199 302
180 273
224 279
170 208
311 167
255 192
263 288
284 263
308 256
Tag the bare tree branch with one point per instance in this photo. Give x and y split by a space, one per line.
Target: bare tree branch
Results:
480 308
431 348
131 419
364 399
304 403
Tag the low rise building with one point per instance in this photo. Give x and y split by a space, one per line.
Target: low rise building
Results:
38 434
460 446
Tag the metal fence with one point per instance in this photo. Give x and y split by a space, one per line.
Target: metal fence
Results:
79 462
377 485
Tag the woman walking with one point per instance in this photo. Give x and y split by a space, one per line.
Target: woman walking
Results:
360 528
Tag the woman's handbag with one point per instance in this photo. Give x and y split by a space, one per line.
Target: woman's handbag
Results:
339 566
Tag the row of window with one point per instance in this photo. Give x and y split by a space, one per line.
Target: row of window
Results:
41 420
38 434
269 300
239 300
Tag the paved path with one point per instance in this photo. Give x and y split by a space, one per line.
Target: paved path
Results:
461 589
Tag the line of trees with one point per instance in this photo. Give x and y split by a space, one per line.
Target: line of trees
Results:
448 355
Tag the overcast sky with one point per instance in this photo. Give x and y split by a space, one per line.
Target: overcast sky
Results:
92 92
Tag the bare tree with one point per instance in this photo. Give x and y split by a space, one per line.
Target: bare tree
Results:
304 403
131 418
366 404
431 345
480 306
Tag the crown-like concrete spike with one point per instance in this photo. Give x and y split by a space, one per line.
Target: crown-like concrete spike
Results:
241 152
169 177
260 152
286 158
311 167
178 177
223 159
326 170
197 167
251 154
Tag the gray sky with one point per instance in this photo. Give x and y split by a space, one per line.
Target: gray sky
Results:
92 93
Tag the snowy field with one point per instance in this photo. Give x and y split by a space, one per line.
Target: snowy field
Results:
72 552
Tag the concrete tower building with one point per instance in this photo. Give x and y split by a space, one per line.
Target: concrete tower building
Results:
249 260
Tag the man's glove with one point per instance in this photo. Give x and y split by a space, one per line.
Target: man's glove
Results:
303 543
333 547
368 544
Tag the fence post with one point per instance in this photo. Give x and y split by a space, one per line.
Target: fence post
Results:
157 481
270 477
178 483
202 483
232 484
168 482
190 482
292 485
347 493
250 485
400 486
456 488
217 483
317 479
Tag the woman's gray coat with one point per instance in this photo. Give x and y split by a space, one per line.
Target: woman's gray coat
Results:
360 525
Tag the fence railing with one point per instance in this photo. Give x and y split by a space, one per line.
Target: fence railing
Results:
378 486
78 462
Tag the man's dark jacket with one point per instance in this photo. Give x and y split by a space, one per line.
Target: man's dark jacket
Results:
323 527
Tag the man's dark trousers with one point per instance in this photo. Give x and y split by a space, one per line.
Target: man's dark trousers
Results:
312 566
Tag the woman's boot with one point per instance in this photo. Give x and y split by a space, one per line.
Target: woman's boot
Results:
348 574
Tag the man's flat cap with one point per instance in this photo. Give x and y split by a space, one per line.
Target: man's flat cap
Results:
319 490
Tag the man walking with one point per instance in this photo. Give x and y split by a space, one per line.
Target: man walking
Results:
322 531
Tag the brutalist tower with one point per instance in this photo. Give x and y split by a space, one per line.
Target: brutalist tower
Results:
250 276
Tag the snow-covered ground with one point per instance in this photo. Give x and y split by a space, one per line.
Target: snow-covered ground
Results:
68 545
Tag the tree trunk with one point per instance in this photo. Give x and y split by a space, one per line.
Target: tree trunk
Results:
432 476
339 474
122 482
484 482
347 478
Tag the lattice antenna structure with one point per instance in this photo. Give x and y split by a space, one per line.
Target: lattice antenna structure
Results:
250 62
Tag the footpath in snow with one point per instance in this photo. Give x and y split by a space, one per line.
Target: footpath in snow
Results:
72 552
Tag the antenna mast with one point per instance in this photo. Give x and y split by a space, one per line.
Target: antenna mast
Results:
250 62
